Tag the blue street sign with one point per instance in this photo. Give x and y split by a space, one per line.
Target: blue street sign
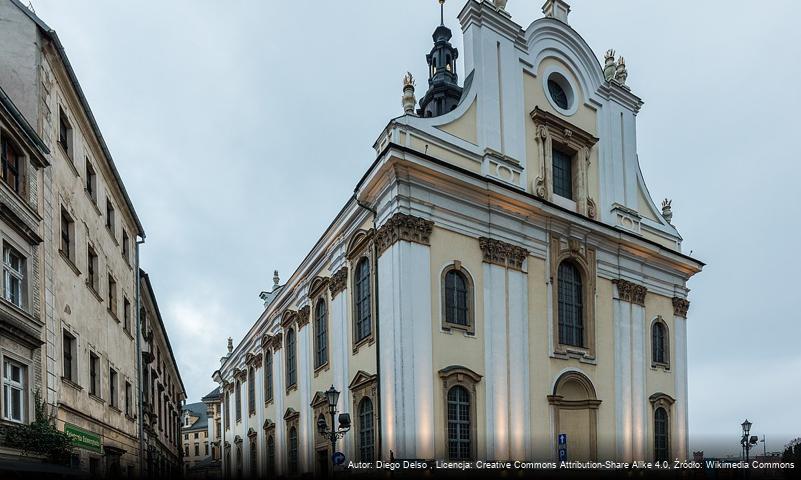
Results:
338 458
562 439
562 454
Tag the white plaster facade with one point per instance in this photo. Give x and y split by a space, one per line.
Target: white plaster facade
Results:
473 188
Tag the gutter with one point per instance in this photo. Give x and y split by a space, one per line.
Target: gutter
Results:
139 333
379 437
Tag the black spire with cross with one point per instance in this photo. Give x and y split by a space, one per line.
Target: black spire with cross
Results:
444 92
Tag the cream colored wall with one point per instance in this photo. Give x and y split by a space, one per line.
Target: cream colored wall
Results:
584 118
464 127
455 347
74 304
659 380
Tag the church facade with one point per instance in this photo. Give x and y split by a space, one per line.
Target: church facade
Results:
500 286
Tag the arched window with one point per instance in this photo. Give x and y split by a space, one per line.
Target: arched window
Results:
457 299
661 435
238 395
254 472
321 333
459 447
363 325
291 359
271 455
571 309
366 430
292 451
268 376
659 343
251 391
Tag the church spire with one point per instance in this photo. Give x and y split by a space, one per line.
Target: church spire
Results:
443 92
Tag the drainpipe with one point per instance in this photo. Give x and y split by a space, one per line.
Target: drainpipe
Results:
140 410
377 327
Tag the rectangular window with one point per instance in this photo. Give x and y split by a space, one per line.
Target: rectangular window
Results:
197 450
11 162
126 314
13 276
68 352
227 410
112 295
110 216
91 269
563 174
67 235
126 247
64 133
13 391
207 449
112 387
94 375
128 399
91 181
195 434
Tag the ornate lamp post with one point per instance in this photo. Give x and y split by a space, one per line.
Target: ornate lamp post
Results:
332 433
747 441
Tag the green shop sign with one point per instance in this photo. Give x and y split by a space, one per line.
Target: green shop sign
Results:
83 439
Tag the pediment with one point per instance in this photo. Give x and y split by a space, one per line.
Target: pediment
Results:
361 379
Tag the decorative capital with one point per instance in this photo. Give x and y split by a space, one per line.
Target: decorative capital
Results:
278 341
631 292
303 316
680 307
501 253
404 227
338 281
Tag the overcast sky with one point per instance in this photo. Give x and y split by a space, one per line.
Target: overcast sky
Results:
240 129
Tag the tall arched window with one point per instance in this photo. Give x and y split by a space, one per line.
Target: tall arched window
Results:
238 395
321 333
254 472
659 343
271 455
661 435
268 376
292 451
571 309
366 430
362 295
459 423
291 359
457 301
251 391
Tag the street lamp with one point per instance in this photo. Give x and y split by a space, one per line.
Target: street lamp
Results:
332 433
747 441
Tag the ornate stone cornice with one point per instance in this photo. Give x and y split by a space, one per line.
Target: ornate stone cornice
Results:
240 375
404 227
501 253
338 282
303 316
680 307
288 318
630 292
266 341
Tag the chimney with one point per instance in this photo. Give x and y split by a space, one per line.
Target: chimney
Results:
558 9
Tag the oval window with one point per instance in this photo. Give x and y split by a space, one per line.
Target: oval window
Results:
558 94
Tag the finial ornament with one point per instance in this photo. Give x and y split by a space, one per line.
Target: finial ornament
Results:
276 279
230 345
501 4
667 213
609 65
408 101
621 74
441 12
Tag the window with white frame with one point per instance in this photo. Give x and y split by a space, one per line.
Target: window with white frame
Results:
13 391
13 276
